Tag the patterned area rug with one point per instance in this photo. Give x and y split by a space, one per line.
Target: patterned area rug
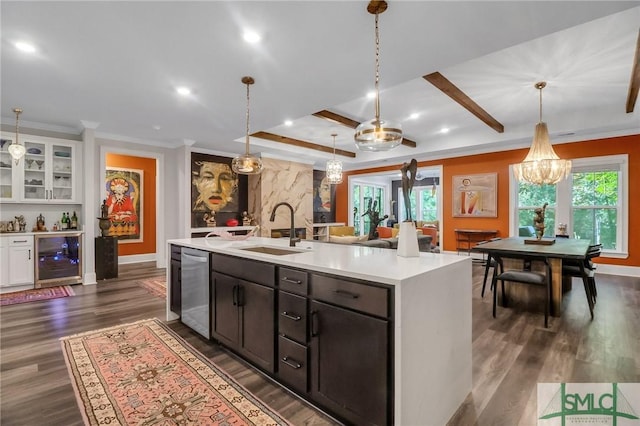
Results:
144 374
156 286
36 294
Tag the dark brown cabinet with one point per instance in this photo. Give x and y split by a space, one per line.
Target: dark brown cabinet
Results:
350 349
106 257
176 280
244 308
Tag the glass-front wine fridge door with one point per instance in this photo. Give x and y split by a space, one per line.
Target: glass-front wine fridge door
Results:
59 259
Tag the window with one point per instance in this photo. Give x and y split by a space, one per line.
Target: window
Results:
592 202
424 203
366 196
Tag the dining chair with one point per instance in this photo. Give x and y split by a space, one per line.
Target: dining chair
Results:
585 269
489 263
524 277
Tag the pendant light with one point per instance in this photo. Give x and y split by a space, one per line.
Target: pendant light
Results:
15 149
247 164
334 167
542 165
377 134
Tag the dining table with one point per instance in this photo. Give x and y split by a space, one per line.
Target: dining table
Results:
561 250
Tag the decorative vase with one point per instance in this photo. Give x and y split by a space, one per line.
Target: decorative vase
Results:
104 223
408 240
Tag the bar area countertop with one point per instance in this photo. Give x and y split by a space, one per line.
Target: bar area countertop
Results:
431 305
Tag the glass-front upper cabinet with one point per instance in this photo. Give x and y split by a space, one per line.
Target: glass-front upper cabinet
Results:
48 172
8 172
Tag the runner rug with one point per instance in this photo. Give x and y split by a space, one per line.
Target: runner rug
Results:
156 286
35 295
145 374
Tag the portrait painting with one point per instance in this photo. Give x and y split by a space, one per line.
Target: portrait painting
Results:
124 203
323 198
217 193
475 195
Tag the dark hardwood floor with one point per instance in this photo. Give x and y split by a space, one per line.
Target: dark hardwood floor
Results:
511 353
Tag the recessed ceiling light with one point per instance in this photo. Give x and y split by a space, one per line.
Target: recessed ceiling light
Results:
251 37
371 95
414 116
444 130
288 123
25 47
156 127
184 91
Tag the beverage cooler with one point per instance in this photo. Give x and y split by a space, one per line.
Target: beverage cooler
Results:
58 259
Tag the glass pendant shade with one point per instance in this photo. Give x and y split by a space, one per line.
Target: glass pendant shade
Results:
247 164
334 167
542 165
377 134
16 150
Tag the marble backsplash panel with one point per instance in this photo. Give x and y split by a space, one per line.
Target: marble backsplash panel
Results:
282 181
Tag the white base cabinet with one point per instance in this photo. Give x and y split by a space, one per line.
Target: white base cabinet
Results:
16 261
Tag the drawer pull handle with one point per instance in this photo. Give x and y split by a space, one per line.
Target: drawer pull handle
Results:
19 241
291 364
291 317
344 293
292 281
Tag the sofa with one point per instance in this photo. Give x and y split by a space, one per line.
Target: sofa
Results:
424 243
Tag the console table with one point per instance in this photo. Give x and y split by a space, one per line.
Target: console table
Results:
466 239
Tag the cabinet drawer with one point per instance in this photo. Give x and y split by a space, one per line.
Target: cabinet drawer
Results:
249 270
176 252
292 316
293 280
361 297
21 241
292 364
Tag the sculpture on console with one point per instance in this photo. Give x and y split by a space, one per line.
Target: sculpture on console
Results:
408 171
538 220
374 218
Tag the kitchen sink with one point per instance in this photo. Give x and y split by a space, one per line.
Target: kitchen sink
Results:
272 250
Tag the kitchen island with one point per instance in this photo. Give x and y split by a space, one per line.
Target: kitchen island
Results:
369 336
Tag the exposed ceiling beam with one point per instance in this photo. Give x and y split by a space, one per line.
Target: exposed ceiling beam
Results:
302 144
634 84
460 97
345 121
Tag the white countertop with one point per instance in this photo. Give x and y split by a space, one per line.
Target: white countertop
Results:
14 234
368 263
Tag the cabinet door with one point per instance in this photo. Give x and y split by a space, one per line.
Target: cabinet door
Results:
9 176
349 363
176 287
4 262
257 317
225 309
35 167
21 261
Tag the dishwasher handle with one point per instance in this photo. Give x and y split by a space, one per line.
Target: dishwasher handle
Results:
196 258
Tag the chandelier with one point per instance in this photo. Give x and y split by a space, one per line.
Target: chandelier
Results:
377 134
15 149
542 165
334 167
247 164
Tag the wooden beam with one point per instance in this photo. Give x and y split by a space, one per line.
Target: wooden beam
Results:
460 97
302 144
634 84
345 121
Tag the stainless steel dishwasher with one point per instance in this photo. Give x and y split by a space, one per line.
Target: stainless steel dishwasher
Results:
195 290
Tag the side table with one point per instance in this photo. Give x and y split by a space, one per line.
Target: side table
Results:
106 257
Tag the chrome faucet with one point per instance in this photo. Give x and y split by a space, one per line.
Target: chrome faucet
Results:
292 232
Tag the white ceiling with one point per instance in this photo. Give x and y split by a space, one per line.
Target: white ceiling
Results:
118 63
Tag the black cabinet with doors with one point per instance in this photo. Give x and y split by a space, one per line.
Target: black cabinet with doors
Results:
175 287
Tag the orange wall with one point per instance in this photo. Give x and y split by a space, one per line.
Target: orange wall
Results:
499 162
148 165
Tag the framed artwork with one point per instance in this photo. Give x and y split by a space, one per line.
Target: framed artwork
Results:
217 193
324 198
124 203
475 195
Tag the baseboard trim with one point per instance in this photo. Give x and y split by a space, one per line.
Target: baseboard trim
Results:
137 258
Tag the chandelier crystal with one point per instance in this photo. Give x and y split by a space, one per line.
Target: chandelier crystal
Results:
542 165
247 164
334 167
15 149
378 134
